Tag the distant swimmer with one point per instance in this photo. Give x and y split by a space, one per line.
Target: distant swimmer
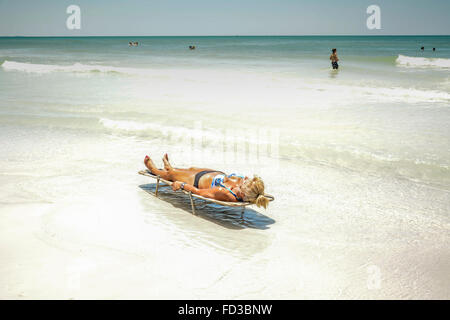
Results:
130 44
192 47
136 43
422 48
334 59
434 49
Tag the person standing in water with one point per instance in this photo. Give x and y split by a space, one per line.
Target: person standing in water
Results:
334 59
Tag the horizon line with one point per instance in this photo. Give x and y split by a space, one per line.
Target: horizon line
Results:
280 35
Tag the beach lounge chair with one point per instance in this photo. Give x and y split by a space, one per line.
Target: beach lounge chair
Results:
166 183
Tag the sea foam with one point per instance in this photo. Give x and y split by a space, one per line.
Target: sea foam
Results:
77 67
419 62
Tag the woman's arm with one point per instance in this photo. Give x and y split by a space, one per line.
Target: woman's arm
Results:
176 185
213 193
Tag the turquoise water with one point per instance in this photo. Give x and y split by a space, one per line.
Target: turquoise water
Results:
358 159
299 57
288 79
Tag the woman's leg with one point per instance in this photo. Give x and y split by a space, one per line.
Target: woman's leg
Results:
170 173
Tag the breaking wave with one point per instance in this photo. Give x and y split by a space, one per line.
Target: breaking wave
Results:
419 62
77 67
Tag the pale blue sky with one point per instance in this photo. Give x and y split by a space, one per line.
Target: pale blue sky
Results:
228 17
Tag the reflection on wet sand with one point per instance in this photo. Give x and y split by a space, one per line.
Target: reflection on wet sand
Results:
227 218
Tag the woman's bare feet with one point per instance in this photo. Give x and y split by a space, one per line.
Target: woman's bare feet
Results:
149 163
165 174
167 165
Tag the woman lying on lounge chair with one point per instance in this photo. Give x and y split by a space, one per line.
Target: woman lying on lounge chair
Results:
212 183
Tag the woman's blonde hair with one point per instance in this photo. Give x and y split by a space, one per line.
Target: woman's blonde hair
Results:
254 192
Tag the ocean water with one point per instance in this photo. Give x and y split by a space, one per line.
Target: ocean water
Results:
358 160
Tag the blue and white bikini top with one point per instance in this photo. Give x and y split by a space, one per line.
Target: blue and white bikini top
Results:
217 181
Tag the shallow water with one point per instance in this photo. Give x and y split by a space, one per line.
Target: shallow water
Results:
357 159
